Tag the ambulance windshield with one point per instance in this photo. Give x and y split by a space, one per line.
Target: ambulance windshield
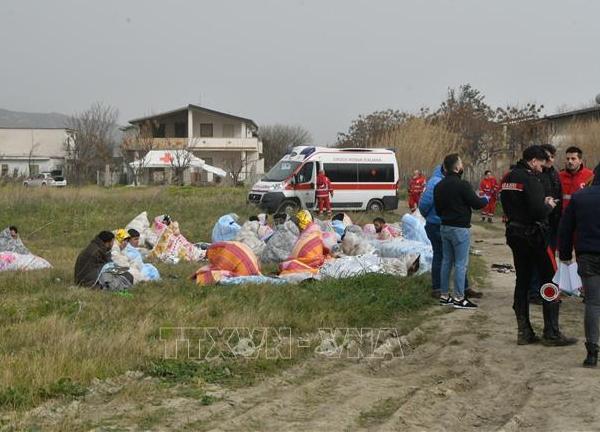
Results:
281 171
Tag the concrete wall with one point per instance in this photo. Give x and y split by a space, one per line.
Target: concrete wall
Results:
219 125
228 159
21 166
47 147
44 142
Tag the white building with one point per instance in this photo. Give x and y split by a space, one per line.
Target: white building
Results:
223 140
29 151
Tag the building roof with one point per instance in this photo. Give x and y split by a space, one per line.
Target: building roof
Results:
195 108
575 113
38 128
25 120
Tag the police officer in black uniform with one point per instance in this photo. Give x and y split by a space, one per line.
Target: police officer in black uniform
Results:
527 208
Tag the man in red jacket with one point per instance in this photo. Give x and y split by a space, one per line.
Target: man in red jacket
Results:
415 189
324 190
489 187
575 176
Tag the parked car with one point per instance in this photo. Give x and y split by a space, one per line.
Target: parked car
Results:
45 179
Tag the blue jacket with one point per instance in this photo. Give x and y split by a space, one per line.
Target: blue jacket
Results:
580 224
426 206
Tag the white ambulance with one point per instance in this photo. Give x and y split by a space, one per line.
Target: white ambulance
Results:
362 179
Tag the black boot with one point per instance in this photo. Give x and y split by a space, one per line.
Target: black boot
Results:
525 333
552 334
591 361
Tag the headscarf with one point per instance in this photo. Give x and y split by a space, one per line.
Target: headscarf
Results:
304 219
122 235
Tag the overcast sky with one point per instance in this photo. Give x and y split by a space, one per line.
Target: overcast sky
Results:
317 63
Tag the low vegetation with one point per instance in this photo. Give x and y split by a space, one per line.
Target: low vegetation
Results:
55 338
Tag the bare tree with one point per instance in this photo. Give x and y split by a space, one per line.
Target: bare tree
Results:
365 128
180 161
279 138
235 167
92 147
136 144
30 158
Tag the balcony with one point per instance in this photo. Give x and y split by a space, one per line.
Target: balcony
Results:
215 144
249 144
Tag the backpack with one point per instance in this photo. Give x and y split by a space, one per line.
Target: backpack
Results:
115 279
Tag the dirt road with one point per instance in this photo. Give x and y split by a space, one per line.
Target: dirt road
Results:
468 374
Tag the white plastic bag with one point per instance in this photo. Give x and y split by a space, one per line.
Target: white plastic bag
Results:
567 279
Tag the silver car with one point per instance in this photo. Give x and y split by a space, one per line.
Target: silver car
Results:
45 179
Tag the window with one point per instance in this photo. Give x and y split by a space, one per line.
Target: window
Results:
158 131
341 172
180 130
376 173
15 172
34 170
305 174
4 170
228 130
206 130
281 171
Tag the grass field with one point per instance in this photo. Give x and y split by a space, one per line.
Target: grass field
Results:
55 338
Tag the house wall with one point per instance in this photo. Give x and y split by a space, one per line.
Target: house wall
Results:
47 148
229 160
44 142
218 122
20 167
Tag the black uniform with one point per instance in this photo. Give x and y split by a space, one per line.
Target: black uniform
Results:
552 187
527 230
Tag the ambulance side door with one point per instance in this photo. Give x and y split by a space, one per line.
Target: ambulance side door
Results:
305 184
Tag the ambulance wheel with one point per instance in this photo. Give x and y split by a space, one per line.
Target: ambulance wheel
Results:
288 206
375 206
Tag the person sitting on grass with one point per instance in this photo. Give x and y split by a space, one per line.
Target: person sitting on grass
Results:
383 230
92 259
127 255
264 229
14 232
337 222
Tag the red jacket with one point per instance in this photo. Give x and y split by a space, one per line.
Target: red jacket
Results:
572 182
323 186
489 186
417 185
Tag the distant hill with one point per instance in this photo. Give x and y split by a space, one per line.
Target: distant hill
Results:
17 119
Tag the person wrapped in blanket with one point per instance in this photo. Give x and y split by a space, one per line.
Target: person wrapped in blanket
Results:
172 246
309 252
227 259
124 253
383 230
14 256
264 229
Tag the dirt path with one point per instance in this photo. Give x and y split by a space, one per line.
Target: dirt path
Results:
468 374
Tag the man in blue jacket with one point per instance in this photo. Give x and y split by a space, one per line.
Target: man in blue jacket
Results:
432 228
580 227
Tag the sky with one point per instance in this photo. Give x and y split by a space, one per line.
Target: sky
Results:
315 63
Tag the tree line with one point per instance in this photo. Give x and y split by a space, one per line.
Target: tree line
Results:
464 122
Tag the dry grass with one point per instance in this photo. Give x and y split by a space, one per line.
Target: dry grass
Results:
419 144
55 337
